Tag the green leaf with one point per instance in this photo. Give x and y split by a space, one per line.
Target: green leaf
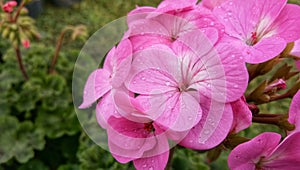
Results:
34 164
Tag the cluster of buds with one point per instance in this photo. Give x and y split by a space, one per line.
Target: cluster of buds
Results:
15 25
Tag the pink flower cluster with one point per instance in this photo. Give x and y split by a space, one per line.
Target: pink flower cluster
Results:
9 6
179 75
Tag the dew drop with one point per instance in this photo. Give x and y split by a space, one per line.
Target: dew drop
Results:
211 23
190 118
142 33
143 78
235 86
152 161
191 141
134 82
151 168
232 55
230 3
144 166
168 83
206 132
85 92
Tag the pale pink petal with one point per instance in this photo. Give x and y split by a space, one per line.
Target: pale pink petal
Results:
128 139
139 13
122 155
249 153
142 42
182 112
213 128
264 50
241 17
122 63
296 49
242 115
288 22
211 4
286 155
294 112
175 5
105 109
108 62
158 162
96 86
130 108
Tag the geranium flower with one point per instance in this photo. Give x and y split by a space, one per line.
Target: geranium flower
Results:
180 76
261 29
170 20
294 112
265 152
112 75
136 137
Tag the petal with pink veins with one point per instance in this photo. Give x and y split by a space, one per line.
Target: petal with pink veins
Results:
248 154
96 86
286 155
288 22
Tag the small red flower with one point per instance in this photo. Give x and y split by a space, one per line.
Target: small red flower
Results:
26 43
9 6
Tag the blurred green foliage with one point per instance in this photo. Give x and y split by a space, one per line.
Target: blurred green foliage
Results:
38 124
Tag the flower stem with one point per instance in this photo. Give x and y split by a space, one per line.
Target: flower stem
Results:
171 154
21 65
57 49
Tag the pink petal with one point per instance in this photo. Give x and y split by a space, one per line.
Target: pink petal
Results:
288 22
142 42
129 139
96 86
122 63
213 128
138 13
105 109
264 50
241 17
130 108
294 112
211 4
296 49
286 155
182 112
249 153
175 5
158 162
109 59
242 115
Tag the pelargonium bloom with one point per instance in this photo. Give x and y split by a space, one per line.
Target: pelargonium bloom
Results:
261 29
266 152
180 76
136 137
294 112
111 76
170 20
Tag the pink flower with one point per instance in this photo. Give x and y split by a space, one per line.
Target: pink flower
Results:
181 76
265 152
135 136
111 76
172 19
26 43
294 112
261 29
8 6
242 115
275 86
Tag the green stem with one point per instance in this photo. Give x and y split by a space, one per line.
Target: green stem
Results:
21 65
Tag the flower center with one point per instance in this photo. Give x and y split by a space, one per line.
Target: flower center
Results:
149 127
253 39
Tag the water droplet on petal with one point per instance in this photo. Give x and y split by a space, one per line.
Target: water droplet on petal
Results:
168 83
143 78
144 166
232 55
151 168
206 132
236 86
